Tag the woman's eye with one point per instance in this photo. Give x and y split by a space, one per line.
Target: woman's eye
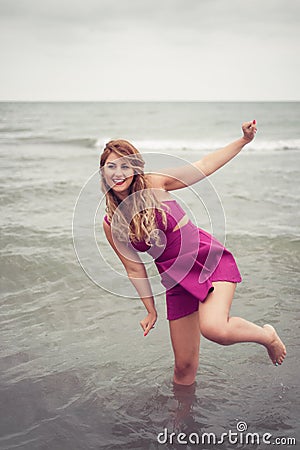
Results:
112 166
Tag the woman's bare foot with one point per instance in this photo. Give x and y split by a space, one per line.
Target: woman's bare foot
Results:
276 347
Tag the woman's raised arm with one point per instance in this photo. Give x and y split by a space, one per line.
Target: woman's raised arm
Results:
180 177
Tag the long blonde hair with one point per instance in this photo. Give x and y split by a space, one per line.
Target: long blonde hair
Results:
136 218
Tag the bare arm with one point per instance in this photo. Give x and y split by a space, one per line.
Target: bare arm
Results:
137 274
180 177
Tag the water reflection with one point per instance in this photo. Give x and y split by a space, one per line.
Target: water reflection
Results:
186 398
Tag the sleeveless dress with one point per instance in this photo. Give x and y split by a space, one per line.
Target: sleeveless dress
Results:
189 260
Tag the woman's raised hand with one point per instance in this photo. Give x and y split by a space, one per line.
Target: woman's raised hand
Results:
249 130
148 322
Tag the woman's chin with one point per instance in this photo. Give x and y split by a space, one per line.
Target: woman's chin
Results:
120 190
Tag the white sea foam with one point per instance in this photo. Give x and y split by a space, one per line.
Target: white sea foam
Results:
176 145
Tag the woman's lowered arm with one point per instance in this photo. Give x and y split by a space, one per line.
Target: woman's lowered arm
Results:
137 274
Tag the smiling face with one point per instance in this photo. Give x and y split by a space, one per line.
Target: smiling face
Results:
118 174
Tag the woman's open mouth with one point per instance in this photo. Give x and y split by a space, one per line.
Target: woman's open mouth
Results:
119 181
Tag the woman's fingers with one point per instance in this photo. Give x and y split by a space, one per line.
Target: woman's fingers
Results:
147 326
148 323
249 130
249 125
146 331
143 325
253 125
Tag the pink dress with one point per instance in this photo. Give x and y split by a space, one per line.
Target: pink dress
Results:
189 261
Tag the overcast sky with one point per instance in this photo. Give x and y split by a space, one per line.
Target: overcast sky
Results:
149 50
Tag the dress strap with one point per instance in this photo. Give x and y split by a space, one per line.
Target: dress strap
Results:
106 220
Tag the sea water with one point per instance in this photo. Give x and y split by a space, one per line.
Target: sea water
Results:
76 371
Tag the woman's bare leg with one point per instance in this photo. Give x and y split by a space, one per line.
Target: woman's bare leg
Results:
185 338
217 326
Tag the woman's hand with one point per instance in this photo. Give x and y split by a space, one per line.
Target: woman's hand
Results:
249 130
148 322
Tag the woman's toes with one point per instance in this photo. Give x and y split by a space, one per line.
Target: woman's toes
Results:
275 346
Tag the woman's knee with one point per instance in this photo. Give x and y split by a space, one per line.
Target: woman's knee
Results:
216 332
186 367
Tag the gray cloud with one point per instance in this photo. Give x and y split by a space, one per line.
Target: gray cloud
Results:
170 46
168 14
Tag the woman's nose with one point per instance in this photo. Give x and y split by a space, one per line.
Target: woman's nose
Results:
118 171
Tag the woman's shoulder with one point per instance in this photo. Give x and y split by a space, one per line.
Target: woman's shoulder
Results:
155 183
154 180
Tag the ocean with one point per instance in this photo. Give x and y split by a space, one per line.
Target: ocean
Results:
76 371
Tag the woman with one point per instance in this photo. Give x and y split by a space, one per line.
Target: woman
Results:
141 216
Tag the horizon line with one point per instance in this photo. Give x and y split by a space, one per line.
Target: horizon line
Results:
149 101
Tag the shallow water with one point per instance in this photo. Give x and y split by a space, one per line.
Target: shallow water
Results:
76 371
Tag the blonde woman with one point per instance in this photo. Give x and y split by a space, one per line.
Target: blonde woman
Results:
198 272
